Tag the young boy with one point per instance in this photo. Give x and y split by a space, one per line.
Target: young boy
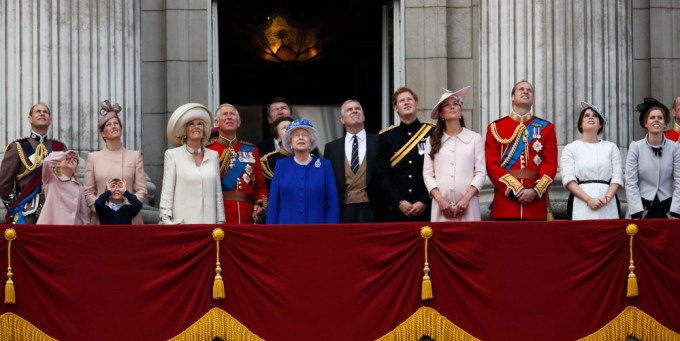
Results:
116 212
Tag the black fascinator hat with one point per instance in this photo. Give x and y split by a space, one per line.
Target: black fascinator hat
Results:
648 104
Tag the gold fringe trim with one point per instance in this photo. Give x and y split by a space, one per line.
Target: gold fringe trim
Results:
10 296
218 284
13 327
426 289
633 322
427 321
632 288
216 322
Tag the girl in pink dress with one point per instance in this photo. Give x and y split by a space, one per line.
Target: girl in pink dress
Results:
64 198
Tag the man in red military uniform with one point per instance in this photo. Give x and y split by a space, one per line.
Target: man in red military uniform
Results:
521 160
243 187
674 134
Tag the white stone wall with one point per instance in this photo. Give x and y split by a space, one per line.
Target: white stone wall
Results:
70 55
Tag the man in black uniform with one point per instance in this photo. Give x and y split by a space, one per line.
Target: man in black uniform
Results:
401 150
21 171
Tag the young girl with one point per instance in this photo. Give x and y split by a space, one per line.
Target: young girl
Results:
64 199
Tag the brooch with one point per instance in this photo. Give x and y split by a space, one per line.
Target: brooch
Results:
537 160
317 164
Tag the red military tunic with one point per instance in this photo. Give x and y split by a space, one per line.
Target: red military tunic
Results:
248 184
673 134
530 162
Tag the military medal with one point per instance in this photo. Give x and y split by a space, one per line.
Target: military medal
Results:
249 170
537 160
421 147
537 132
317 164
246 178
537 146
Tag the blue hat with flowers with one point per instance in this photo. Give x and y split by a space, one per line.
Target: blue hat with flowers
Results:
300 124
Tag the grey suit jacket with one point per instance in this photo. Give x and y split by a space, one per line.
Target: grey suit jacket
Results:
648 175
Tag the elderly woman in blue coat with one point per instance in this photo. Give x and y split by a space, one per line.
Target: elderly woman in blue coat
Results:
303 188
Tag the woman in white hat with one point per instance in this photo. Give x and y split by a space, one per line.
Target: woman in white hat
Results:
113 162
591 169
653 167
454 168
192 193
303 188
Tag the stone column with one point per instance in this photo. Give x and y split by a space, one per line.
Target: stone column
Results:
175 70
70 55
570 50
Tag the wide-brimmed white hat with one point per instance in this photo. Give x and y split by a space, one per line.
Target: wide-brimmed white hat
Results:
459 94
598 111
185 114
300 124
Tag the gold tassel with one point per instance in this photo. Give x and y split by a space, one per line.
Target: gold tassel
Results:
632 290
426 290
218 284
10 295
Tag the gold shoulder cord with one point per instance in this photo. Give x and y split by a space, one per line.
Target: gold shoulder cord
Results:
40 154
521 129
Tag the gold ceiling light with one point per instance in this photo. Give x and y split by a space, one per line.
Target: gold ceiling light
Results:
280 40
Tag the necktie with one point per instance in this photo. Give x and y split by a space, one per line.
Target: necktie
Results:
354 163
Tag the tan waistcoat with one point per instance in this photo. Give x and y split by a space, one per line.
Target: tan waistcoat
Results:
355 184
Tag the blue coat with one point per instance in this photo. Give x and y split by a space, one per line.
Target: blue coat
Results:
303 194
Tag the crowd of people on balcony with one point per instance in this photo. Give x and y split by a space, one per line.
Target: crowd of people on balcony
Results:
412 171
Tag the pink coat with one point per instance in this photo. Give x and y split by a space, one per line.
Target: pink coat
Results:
64 198
105 165
458 165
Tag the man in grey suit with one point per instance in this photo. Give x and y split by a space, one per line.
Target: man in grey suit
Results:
352 157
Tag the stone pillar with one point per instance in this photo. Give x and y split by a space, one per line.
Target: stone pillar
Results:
175 70
70 55
570 50
656 53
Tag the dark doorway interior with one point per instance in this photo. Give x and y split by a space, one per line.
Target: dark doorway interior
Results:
348 65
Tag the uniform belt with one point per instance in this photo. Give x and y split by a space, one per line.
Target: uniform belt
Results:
528 174
238 196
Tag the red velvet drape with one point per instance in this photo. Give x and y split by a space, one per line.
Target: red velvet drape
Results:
531 281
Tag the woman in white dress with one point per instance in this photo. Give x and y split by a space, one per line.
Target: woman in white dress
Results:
454 168
591 169
192 193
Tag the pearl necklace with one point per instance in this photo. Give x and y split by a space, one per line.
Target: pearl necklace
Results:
194 151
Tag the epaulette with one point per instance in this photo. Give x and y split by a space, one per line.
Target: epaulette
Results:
13 142
541 119
211 142
433 124
248 143
387 129
264 158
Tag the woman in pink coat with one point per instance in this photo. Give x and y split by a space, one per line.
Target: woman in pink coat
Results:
454 169
113 162
64 199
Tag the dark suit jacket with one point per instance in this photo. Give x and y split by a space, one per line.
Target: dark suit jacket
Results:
335 153
267 146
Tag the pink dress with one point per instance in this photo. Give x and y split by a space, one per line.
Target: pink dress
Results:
458 165
64 198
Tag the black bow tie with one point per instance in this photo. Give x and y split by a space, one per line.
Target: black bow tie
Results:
657 151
